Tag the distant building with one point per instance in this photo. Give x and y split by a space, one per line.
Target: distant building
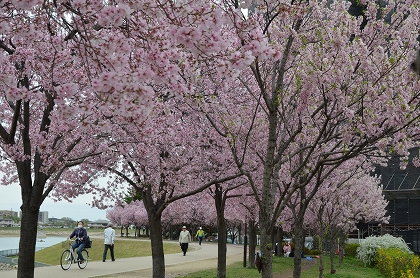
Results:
54 220
401 188
6 222
8 213
98 223
43 217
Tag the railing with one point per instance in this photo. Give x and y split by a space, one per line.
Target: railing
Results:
5 257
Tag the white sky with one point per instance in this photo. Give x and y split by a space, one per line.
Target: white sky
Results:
10 199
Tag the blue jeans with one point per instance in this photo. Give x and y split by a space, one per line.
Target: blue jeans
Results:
79 245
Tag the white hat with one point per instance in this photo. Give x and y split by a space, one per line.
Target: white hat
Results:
183 227
200 228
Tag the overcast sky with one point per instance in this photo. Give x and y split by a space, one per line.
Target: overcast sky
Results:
10 199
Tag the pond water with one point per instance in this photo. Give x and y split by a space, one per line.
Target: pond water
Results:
13 242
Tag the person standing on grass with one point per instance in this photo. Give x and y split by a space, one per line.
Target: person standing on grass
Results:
200 235
184 239
109 235
287 248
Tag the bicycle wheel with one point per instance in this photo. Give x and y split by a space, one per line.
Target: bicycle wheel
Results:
83 264
66 260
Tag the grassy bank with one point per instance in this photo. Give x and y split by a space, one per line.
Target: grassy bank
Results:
124 248
130 247
351 268
14 231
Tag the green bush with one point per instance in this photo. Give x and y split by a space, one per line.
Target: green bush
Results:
394 262
351 249
316 252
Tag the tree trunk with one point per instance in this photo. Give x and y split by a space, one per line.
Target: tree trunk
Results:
222 234
154 216
342 243
321 258
266 229
299 242
29 223
252 242
156 241
333 247
279 241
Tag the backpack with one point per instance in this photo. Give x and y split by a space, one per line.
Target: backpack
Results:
88 242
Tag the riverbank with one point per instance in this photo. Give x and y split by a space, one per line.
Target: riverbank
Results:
57 233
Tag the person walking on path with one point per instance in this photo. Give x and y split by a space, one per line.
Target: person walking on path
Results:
81 234
109 237
184 239
200 235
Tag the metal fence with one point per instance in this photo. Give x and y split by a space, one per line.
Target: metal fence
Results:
412 238
6 259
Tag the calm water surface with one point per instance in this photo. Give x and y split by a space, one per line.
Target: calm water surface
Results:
13 242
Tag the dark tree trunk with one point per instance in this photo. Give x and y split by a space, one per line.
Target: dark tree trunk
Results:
266 228
156 241
299 242
252 242
342 244
321 257
29 223
279 241
220 200
32 198
333 248
154 216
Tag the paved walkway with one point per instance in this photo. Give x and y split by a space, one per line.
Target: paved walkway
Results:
97 268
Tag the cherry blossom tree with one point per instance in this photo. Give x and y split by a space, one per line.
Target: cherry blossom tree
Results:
49 123
125 215
290 87
67 65
169 156
319 91
338 207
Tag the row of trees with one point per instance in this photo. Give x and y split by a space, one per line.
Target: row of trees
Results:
274 108
334 211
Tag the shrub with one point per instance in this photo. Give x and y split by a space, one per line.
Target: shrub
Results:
366 252
351 249
316 252
395 262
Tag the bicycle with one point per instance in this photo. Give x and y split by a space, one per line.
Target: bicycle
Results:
68 257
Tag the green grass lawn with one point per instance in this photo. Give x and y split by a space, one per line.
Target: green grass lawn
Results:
235 270
351 268
124 248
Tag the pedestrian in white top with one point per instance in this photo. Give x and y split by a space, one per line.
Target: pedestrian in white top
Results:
109 235
184 239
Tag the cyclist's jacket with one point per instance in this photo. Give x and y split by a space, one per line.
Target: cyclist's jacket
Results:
79 233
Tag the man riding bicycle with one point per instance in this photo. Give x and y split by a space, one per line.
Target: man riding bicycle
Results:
81 234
